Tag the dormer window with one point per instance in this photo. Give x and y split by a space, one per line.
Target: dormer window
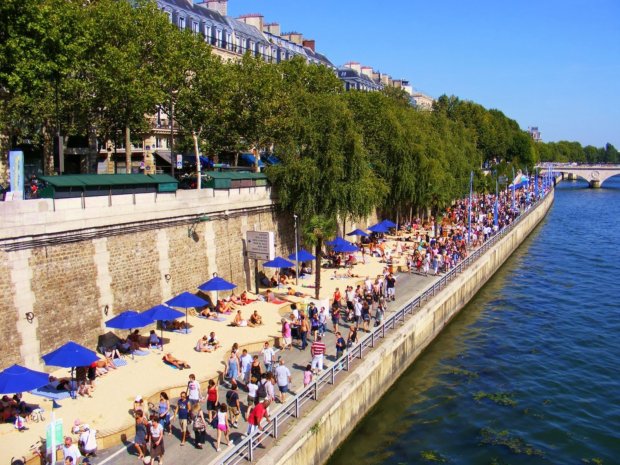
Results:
195 27
181 22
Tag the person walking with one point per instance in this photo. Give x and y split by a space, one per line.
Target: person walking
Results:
234 405
268 356
139 440
193 390
303 331
256 415
287 336
212 400
283 378
222 427
317 350
182 414
199 425
307 375
340 345
157 440
246 366
322 321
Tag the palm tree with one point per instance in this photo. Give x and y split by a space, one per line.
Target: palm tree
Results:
316 230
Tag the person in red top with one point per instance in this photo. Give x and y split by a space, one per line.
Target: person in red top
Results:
317 349
337 296
256 415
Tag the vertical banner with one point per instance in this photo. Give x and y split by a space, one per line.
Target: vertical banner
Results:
16 173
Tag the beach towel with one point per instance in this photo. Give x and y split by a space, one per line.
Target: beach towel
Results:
182 331
141 353
50 393
119 362
279 301
171 365
219 318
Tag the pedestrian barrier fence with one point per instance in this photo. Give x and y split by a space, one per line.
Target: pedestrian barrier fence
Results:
244 449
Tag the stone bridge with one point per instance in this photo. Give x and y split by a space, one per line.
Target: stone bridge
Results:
594 174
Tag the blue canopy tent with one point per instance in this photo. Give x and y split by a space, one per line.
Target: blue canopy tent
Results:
302 256
186 300
358 232
162 313
345 248
249 159
71 355
17 379
129 320
379 228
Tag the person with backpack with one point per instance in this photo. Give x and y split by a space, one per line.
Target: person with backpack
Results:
199 425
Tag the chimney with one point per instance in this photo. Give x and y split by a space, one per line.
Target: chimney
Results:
367 71
221 6
376 76
294 37
272 28
253 19
385 79
309 43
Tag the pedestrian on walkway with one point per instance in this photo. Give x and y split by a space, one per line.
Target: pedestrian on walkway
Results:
157 440
317 351
182 414
335 316
256 415
139 440
287 336
340 345
199 425
307 375
234 405
246 366
222 427
268 356
391 287
212 400
322 321
256 371
193 390
283 378
304 327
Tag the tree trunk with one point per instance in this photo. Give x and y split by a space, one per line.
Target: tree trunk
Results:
48 149
197 154
127 150
317 271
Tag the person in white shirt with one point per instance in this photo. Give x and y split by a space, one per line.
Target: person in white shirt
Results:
246 365
70 450
283 378
268 355
88 441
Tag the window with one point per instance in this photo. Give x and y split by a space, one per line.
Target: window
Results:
169 13
181 22
218 37
229 41
207 33
195 27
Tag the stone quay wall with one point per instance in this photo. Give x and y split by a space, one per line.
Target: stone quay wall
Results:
319 433
67 266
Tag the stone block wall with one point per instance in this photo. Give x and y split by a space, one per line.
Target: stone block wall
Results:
65 295
11 338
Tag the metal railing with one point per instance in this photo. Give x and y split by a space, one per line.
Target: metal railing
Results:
244 450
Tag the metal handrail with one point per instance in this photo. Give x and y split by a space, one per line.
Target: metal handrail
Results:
244 450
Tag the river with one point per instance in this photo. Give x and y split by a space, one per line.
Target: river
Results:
528 372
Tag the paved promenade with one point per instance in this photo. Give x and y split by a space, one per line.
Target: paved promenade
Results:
409 286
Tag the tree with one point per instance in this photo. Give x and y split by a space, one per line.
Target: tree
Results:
315 230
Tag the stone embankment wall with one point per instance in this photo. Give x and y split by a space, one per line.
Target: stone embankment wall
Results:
72 264
318 434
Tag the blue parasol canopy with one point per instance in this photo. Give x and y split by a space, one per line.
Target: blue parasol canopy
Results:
338 240
17 378
70 355
388 223
358 232
217 284
162 313
129 320
187 300
278 262
345 248
302 256
379 228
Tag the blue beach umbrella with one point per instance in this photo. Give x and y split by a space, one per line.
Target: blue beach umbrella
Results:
338 240
379 228
128 320
278 262
345 248
17 379
162 313
187 300
358 232
388 223
71 355
217 284
302 256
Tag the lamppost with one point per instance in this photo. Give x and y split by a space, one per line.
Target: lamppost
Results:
296 251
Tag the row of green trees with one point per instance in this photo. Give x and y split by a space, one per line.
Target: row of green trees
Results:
104 66
565 151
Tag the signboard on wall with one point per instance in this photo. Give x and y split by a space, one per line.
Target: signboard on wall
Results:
261 245
16 173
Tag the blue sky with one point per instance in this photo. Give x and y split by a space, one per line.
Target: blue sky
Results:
547 63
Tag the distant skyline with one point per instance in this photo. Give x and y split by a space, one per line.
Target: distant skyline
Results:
552 64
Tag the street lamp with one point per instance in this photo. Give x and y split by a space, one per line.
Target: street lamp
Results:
296 251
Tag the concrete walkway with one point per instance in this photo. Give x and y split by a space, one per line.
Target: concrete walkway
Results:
408 287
